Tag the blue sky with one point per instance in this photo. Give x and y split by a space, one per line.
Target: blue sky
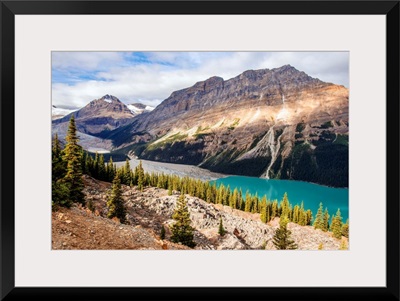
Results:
150 77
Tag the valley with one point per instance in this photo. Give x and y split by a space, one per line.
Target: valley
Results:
187 160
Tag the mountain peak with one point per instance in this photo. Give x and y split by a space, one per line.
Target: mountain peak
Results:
109 98
286 67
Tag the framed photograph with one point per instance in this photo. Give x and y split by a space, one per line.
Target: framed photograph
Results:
165 150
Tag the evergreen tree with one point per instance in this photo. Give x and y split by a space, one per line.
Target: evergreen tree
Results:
140 176
115 202
326 220
274 211
345 229
296 214
336 226
285 206
209 197
319 219
302 215
308 217
60 194
343 245
221 230
181 230
162 233
264 209
320 246
102 168
95 171
248 201
281 239
73 157
127 173
268 214
169 188
59 166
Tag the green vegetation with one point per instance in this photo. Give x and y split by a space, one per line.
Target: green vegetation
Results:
162 232
181 152
345 229
281 239
342 139
170 140
327 164
181 230
115 203
234 124
221 230
326 125
67 183
300 127
336 226
59 189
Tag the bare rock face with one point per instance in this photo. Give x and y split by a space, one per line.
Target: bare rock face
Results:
254 124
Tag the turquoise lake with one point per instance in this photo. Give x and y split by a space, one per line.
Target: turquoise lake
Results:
310 194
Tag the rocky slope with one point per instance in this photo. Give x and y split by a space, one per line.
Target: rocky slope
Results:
274 123
148 211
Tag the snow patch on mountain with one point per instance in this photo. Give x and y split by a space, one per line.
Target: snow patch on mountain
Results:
138 108
60 112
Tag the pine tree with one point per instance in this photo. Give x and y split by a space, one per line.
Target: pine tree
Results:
268 214
221 230
169 188
140 176
281 239
248 204
274 211
326 220
264 209
72 155
60 194
162 233
127 172
115 202
343 245
319 219
59 166
181 230
345 229
285 206
308 217
102 168
296 214
320 246
302 215
336 226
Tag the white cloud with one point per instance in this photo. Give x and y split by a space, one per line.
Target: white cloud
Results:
85 60
150 83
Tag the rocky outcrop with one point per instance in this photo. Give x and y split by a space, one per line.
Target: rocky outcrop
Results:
153 208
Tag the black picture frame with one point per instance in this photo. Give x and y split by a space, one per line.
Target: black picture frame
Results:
11 8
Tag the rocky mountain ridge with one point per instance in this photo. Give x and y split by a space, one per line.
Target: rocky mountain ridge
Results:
273 123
